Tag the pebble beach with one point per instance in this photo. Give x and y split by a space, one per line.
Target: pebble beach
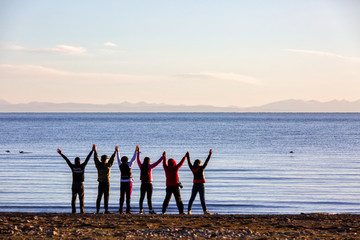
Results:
173 226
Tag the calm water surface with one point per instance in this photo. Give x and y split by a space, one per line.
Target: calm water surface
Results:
251 171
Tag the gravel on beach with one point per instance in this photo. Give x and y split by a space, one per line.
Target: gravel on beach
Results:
171 226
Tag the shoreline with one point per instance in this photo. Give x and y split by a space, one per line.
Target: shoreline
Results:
19 225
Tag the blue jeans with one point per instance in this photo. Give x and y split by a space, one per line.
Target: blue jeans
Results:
198 188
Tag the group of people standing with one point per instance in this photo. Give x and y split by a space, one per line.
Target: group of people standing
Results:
103 169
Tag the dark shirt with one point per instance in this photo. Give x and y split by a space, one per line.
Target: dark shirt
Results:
198 171
103 168
126 172
77 170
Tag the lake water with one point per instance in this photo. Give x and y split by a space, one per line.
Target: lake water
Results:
251 170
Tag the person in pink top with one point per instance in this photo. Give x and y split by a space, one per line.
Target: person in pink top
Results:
146 180
172 183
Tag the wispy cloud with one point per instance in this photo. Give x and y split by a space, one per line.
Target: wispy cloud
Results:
325 54
222 76
58 49
66 50
110 44
13 47
40 73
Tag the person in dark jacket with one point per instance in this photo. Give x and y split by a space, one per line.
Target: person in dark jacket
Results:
199 180
103 169
146 181
77 188
126 180
172 183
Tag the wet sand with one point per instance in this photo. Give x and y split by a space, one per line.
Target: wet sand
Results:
171 226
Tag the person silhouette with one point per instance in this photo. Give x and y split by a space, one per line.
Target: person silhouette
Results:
103 169
172 183
77 187
146 181
126 180
198 183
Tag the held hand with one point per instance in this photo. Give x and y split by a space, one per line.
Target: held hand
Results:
137 148
210 152
164 154
116 149
94 147
187 155
59 151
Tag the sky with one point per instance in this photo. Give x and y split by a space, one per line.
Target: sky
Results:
192 52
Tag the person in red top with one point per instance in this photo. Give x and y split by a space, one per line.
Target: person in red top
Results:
199 180
146 180
172 183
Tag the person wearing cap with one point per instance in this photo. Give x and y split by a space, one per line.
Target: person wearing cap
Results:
77 187
103 169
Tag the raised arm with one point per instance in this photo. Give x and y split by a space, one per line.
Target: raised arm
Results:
157 162
134 156
188 160
96 156
164 160
181 162
208 158
138 157
88 158
118 158
112 158
64 157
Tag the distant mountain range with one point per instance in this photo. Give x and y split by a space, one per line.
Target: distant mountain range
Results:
280 106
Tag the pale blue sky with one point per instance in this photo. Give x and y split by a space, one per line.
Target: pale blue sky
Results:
221 53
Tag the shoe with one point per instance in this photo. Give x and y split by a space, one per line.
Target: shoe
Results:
128 212
107 212
142 211
189 212
152 211
206 212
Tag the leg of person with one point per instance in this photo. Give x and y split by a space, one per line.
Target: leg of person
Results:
98 200
179 203
192 198
128 197
73 198
81 198
142 196
149 196
167 199
122 197
106 196
201 190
